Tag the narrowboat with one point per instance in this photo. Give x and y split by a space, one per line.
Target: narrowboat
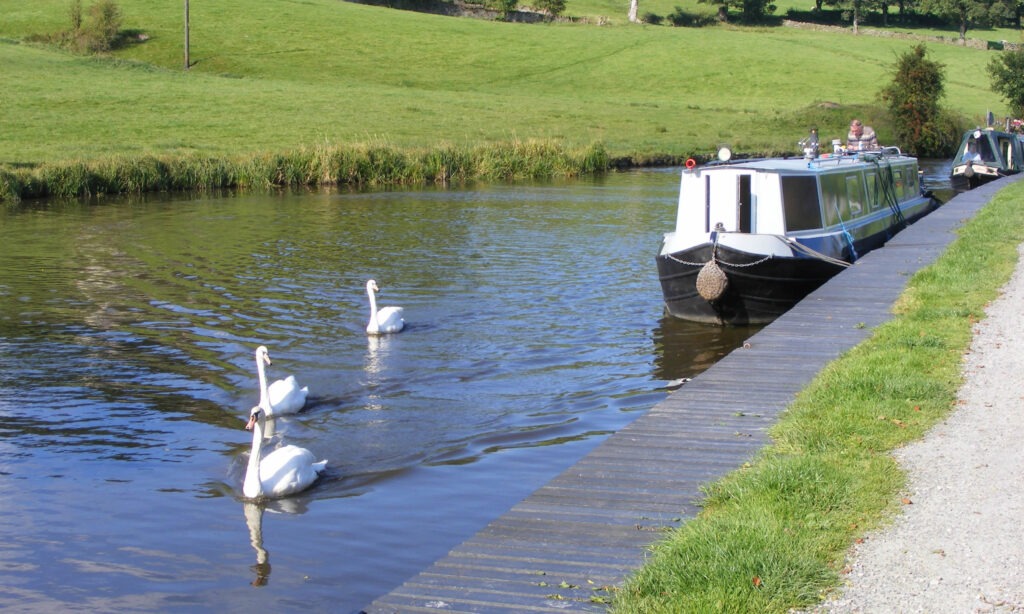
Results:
754 237
986 154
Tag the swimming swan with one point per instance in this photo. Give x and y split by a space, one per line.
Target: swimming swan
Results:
283 396
285 471
387 320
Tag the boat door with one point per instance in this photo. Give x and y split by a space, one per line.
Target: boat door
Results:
1013 153
744 204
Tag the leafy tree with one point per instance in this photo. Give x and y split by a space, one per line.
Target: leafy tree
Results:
913 102
751 11
966 13
1007 78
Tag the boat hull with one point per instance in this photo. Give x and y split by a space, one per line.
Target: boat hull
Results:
758 289
964 177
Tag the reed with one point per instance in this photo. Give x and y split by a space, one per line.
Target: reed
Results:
373 164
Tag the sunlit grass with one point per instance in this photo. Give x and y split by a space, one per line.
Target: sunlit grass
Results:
774 535
271 76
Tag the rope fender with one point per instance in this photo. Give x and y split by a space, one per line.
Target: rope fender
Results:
711 281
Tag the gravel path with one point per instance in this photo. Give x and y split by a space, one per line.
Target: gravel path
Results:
958 546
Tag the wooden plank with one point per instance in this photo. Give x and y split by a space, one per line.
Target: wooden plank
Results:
589 527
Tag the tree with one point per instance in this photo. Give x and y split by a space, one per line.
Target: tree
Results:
634 8
966 13
1007 78
913 102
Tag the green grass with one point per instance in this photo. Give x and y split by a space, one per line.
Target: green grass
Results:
774 535
278 76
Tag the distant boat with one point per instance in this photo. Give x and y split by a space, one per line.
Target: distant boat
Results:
754 237
986 154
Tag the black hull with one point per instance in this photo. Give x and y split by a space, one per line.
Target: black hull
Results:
758 290
962 182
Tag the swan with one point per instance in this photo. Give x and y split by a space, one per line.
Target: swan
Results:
283 396
387 320
285 471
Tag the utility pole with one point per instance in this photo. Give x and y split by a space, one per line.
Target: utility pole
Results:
187 62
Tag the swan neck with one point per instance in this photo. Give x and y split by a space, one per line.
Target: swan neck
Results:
264 390
373 307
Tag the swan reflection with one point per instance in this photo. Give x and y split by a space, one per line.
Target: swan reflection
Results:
254 521
377 349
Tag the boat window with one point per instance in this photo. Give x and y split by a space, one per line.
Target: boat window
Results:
855 194
833 194
985 149
911 187
898 183
873 190
800 203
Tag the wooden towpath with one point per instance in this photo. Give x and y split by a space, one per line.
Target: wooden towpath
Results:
590 526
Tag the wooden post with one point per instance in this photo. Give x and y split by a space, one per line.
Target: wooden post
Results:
188 63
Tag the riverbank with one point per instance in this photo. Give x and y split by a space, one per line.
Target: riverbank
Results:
954 546
774 535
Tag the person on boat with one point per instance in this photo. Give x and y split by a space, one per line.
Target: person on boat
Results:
861 137
971 153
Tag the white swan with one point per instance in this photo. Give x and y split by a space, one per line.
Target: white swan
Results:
283 396
387 320
285 471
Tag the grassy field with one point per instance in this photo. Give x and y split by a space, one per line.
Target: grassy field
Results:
274 75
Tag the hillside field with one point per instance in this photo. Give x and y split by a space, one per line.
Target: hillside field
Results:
273 75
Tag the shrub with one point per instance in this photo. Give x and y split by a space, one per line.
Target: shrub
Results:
913 101
652 18
553 7
680 18
103 27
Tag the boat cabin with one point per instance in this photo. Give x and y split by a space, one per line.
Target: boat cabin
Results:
791 197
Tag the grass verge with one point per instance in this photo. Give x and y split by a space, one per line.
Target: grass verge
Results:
774 534
356 166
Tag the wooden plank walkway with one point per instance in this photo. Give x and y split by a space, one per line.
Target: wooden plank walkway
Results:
590 526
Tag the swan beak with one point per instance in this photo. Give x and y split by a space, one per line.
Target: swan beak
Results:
252 421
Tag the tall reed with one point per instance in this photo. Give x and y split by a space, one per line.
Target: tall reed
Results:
363 165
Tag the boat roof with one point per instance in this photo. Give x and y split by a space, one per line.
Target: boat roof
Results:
990 131
812 166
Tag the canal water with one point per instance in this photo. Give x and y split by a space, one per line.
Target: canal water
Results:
127 332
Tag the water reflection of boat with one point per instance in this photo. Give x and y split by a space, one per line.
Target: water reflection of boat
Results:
985 155
754 237
684 349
